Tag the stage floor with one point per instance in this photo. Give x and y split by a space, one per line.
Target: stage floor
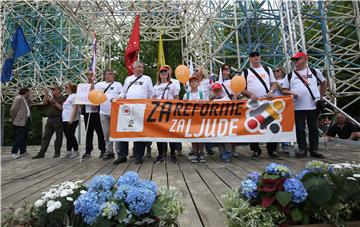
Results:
202 185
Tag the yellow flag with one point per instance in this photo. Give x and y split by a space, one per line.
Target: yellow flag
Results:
161 55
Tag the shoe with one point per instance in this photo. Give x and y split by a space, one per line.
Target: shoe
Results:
210 152
38 156
275 157
159 159
191 153
195 160
15 156
235 154
301 154
173 158
317 155
75 154
132 156
109 157
68 155
179 153
86 156
119 161
138 161
255 156
226 156
102 154
201 159
25 154
148 154
56 155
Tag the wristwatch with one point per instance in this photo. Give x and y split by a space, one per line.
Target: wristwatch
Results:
271 91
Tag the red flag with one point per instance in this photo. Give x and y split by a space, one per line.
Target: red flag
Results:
133 47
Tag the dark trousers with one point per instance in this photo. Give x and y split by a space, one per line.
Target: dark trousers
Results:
139 149
53 124
94 125
69 132
177 146
163 147
311 118
20 138
271 148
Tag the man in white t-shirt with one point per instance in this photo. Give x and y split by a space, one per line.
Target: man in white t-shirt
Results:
261 87
136 86
94 124
112 90
298 83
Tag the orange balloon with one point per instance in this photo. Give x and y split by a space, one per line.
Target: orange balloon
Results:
237 84
97 97
182 73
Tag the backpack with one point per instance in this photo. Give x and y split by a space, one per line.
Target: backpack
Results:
188 95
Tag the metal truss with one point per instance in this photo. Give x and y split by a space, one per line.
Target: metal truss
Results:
212 32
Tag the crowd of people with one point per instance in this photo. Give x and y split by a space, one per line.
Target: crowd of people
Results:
306 85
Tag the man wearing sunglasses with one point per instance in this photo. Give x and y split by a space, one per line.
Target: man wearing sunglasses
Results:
302 83
260 83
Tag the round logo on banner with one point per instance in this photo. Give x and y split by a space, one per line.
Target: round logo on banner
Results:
126 110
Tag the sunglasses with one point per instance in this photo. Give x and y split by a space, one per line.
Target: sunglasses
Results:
163 71
226 69
277 70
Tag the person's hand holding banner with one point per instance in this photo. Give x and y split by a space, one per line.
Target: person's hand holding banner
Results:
237 84
182 73
97 97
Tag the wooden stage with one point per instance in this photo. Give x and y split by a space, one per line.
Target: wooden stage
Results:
202 185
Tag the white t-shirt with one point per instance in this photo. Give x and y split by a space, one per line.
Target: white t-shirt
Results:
176 84
224 98
253 83
170 93
68 107
112 93
227 85
205 88
277 92
304 101
141 89
194 96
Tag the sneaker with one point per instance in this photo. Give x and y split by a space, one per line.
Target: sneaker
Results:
316 155
86 156
109 157
275 157
25 154
132 156
301 154
37 156
191 153
201 159
119 161
195 160
15 156
68 155
75 154
255 156
235 154
225 157
173 158
102 154
159 159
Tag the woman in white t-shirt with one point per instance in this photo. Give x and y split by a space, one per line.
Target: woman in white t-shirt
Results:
279 74
165 89
204 82
70 119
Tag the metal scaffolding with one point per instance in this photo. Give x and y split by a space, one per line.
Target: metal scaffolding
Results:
212 32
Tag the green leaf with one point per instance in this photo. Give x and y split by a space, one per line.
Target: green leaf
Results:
283 198
122 213
157 209
319 190
305 219
270 176
296 215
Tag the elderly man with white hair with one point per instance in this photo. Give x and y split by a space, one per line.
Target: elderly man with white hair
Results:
137 86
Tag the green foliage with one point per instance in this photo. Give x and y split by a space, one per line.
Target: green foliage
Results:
319 190
241 213
167 206
283 198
